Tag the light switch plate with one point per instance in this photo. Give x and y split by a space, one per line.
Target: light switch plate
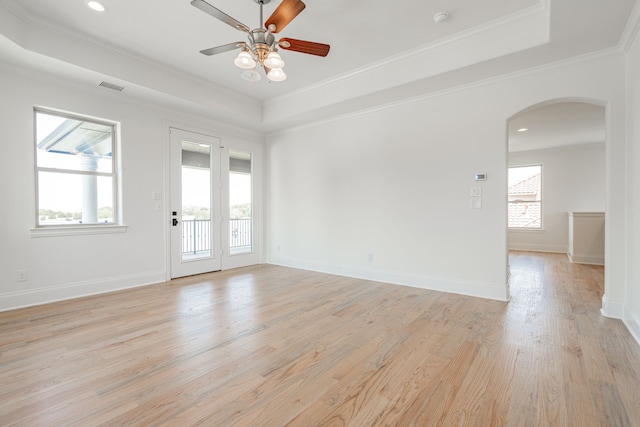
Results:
476 191
476 203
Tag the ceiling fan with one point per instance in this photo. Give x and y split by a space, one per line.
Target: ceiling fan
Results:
262 47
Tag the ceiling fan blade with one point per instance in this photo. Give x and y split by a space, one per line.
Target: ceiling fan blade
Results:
224 48
284 14
217 13
303 46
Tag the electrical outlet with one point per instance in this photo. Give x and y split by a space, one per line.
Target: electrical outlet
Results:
22 275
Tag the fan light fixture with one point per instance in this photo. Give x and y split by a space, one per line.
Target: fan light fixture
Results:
252 75
274 61
245 61
261 49
276 75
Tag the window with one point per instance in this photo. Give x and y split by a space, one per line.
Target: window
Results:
76 173
240 202
525 197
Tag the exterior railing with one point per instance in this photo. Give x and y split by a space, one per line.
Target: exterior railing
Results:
196 234
240 233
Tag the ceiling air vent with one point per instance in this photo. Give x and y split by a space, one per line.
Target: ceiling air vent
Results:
111 86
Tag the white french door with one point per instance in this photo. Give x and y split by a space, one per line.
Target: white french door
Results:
195 209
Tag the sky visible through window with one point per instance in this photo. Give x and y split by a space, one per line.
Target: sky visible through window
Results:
60 192
56 198
521 173
239 187
525 197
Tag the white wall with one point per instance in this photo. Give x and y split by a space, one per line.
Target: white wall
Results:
391 182
395 183
64 267
574 179
632 308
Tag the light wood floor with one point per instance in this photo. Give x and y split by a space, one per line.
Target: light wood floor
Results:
272 346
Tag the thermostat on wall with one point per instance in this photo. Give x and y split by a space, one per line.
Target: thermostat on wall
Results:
481 177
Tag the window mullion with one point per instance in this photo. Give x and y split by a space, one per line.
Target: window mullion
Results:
75 172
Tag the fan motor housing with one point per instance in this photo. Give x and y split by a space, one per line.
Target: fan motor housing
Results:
260 35
261 41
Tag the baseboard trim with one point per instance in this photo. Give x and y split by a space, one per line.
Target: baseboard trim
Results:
537 248
614 310
49 294
586 259
474 289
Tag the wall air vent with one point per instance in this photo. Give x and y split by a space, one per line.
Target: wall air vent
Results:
111 86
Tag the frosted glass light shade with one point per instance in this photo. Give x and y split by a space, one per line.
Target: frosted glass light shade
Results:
251 75
274 61
276 75
244 61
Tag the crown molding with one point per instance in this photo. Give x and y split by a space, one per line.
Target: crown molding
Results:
631 30
592 56
543 6
123 66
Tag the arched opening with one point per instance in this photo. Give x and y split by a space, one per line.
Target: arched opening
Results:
557 189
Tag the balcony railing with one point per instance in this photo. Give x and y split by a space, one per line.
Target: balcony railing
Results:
240 233
196 235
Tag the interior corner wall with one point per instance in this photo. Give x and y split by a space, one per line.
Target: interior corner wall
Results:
632 308
574 179
385 194
63 267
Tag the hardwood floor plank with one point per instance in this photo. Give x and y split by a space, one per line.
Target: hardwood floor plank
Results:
275 346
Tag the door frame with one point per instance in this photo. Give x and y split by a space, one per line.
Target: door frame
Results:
255 256
252 143
178 266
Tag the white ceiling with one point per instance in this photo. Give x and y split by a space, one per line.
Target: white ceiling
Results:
555 125
380 51
173 32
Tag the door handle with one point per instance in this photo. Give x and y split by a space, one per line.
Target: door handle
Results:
175 222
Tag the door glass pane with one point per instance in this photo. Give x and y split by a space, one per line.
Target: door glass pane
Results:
240 203
196 201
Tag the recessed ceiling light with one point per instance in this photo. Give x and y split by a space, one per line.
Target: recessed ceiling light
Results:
523 130
96 5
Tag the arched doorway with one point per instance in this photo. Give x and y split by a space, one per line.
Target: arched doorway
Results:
561 144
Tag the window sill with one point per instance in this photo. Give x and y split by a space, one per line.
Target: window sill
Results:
527 230
77 231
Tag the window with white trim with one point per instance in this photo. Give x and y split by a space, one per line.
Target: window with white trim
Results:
525 197
76 170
